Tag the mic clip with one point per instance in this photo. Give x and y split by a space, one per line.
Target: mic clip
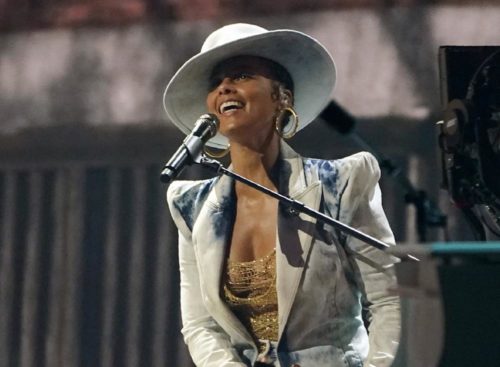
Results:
194 146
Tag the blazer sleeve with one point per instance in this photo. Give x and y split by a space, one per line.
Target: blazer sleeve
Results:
374 268
208 344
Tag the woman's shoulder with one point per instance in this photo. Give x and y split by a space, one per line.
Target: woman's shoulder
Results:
185 197
188 191
361 163
182 188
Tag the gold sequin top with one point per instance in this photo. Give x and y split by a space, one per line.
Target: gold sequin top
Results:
250 292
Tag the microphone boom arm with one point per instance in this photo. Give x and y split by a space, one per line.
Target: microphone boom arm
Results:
299 207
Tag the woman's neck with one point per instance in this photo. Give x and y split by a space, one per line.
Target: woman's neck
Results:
255 163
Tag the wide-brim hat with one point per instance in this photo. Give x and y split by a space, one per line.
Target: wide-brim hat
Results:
307 61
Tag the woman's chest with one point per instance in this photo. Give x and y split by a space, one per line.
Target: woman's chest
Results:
254 231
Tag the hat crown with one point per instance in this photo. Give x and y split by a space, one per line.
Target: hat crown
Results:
231 33
307 61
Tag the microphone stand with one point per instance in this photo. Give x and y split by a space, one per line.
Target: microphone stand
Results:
428 214
299 207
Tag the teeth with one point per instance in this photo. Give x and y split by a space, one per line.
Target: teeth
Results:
229 105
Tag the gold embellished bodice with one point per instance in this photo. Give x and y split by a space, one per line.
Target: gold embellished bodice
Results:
250 292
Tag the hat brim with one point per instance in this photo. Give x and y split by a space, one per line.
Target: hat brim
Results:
308 62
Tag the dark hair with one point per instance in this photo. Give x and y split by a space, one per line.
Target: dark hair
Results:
282 75
276 71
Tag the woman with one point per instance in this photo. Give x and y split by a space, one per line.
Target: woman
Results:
261 285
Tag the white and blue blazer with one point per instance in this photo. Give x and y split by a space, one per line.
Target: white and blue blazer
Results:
324 278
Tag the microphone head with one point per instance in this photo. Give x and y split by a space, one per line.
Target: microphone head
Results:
206 126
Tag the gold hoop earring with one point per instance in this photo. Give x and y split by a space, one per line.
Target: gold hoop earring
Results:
285 115
219 153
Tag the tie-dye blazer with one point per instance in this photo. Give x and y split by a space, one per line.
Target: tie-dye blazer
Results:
324 278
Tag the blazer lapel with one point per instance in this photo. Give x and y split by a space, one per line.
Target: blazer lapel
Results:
294 239
295 233
211 234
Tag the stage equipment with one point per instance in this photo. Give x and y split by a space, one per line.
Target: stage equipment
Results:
449 305
470 133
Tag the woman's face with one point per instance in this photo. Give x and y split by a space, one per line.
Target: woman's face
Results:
243 97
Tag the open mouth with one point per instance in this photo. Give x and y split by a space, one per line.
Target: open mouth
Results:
230 106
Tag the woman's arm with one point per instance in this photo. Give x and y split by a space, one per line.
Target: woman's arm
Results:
375 269
208 344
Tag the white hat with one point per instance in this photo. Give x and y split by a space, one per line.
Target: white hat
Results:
307 61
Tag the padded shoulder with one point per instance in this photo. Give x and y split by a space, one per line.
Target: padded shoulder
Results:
361 169
185 199
345 181
362 163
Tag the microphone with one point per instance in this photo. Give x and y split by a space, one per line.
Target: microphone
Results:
190 150
338 118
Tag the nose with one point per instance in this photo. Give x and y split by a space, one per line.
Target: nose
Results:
226 86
